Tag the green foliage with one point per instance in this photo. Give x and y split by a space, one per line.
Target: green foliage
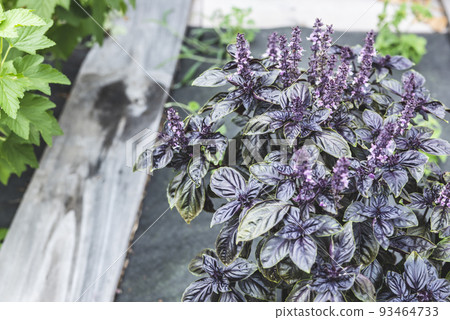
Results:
25 116
74 20
3 232
391 41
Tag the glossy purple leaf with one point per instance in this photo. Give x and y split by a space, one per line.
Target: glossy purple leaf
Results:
303 253
416 274
273 251
227 183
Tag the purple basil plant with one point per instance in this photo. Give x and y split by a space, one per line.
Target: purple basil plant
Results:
327 193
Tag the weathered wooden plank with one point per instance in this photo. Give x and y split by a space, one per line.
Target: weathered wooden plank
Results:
76 217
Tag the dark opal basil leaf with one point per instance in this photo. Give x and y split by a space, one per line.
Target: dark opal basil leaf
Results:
271 274
226 247
222 109
227 183
261 218
266 173
284 169
173 187
210 265
348 135
285 190
440 289
292 130
289 272
436 147
440 219
326 202
396 180
215 150
382 229
444 233
196 264
143 161
364 134
269 78
366 244
257 287
231 296
332 143
442 250
343 245
211 78
299 91
417 172
268 94
161 157
400 63
392 85
408 244
239 269
406 219
303 253
417 201
197 169
396 283
353 212
364 289
301 292
328 227
372 119
374 272
273 251
258 125
412 158
382 99
416 274
198 291
225 212
189 200
329 296
436 108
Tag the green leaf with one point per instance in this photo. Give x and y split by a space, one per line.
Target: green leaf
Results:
34 108
12 88
18 154
15 18
44 8
261 218
20 125
332 143
3 231
39 75
30 39
363 289
442 250
189 200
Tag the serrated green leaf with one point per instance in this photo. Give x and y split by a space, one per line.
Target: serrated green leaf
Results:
18 154
20 125
16 18
34 108
39 75
12 88
30 39
44 9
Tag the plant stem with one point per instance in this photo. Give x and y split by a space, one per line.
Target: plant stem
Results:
6 55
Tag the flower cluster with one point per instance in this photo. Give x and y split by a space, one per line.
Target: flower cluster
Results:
175 130
444 197
345 208
361 81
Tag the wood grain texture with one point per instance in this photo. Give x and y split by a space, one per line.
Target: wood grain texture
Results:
77 214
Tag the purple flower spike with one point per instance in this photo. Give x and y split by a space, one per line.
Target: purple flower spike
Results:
361 81
283 62
410 104
175 129
444 197
272 47
243 56
296 52
339 181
